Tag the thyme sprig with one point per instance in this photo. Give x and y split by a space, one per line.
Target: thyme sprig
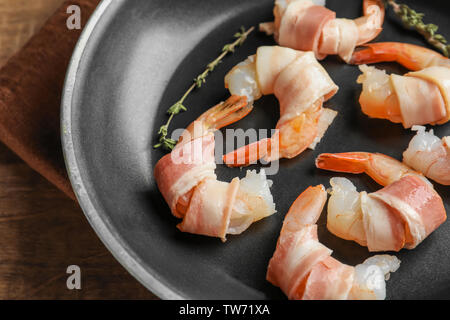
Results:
414 20
177 107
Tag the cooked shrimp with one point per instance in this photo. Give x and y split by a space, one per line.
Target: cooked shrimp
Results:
430 155
418 98
301 85
401 215
309 26
304 269
189 185
381 168
233 109
410 56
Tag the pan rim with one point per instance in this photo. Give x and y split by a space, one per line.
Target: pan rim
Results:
121 252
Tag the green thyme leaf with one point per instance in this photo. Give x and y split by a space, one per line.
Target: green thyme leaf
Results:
414 20
176 108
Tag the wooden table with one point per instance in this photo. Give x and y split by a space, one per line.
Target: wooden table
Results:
19 20
42 231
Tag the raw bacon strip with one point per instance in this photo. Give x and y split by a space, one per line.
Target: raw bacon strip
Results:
330 40
348 39
329 280
417 98
295 11
187 181
303 268
420 101
301 26
184 168
286 73
398 216
440 76
384 228
295 258
300 85
210 208
401 214
417 203
298 248
270 61
339 37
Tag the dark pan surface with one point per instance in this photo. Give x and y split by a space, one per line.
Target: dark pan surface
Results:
135 59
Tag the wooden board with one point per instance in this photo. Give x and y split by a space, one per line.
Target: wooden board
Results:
43 232
19 20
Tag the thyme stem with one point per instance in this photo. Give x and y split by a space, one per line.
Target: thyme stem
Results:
178 106
414 20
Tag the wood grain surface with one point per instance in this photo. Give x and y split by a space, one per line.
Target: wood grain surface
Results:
43 231
19 20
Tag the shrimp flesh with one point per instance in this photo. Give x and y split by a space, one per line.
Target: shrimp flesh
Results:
401 215
304 269
301 85
417 98
187 180
309 26
429 155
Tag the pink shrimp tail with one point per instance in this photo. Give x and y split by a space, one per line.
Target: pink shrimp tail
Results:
263 149
375 53
248 154
410 56
349 162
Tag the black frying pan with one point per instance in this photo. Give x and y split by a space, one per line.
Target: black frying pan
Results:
136 58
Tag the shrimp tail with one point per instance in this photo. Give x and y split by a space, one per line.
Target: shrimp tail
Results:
381 168
248 154
233 109
350 162
230 111
410 56
375 53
